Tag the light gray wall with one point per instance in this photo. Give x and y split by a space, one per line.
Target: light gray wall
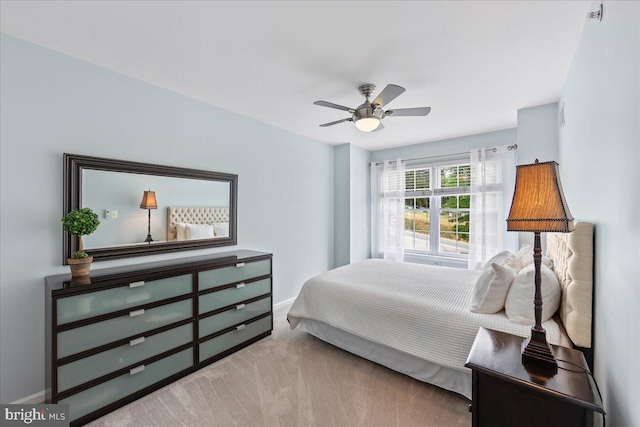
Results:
341 216
352 194
447 146
123 192
360 195
537 139
52 103
538 133
599 159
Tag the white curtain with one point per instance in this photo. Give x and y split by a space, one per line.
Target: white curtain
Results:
492 183
387 210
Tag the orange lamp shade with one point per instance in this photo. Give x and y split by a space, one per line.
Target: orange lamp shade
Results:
149 200
538 201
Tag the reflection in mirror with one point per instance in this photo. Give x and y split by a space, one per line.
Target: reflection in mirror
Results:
197 207
148 209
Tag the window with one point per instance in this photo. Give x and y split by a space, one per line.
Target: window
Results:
436 210
452 209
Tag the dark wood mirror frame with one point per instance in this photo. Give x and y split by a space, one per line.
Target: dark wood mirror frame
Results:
73 166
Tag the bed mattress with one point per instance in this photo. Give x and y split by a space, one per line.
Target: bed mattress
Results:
415 309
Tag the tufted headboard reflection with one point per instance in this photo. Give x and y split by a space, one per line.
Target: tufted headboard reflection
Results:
572 255
194 215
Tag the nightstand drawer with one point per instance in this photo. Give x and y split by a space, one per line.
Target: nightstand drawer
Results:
92 367
84 306
87 401
136 322
238 314
231 339
239 272
229 296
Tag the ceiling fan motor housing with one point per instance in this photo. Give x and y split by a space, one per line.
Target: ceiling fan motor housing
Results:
367 110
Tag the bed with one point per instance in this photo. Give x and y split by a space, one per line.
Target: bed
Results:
415 318
195 215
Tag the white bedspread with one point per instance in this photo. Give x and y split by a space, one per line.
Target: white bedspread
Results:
417 309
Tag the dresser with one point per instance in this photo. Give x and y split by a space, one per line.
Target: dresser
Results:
135 329
505 394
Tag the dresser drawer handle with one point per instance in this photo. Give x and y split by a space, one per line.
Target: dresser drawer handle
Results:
240 285
136 313
136 370
240 264
240 306
136 284
136 341
240 327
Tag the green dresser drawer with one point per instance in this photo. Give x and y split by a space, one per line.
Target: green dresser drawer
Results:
83 306
230 296
136 322
103 394
241 313
231 339
75 373
241 271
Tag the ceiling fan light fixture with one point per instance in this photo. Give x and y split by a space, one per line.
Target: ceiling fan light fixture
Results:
368 124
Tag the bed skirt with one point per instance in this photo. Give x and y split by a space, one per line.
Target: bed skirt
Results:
422 370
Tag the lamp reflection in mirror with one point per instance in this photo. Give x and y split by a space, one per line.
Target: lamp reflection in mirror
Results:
149 202
539 206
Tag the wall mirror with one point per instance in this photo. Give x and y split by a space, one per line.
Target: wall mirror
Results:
148 209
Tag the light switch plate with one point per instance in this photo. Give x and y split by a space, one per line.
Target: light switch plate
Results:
114 214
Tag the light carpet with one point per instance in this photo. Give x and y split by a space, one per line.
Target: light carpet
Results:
294 379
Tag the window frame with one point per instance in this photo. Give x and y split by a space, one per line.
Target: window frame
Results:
434 194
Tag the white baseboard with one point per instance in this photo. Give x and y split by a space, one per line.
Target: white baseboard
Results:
33 399
283 303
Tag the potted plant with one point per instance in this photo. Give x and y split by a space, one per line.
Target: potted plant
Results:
80 222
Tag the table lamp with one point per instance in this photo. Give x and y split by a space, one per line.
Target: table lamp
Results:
149 202
539 206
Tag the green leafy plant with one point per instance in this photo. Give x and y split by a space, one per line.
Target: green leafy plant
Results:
80 222
80 255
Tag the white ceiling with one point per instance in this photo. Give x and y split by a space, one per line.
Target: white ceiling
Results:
475 63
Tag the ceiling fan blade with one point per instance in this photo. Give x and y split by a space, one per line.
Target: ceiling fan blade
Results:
336 122
332 105
407 112
380 127
388 94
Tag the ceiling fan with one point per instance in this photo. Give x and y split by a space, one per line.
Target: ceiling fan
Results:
368 116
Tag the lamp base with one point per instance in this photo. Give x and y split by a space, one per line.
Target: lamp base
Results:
148 239
537 354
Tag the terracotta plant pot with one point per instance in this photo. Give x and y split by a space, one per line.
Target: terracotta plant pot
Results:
80 266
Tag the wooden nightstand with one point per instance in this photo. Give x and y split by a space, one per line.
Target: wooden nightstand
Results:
505 394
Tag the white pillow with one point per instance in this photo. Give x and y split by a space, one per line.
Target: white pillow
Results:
512 262
482 284
221 229
525 257
519 302
199 231
181 231
493 299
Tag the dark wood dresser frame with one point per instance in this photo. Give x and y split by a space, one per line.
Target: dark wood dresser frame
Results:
62 286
